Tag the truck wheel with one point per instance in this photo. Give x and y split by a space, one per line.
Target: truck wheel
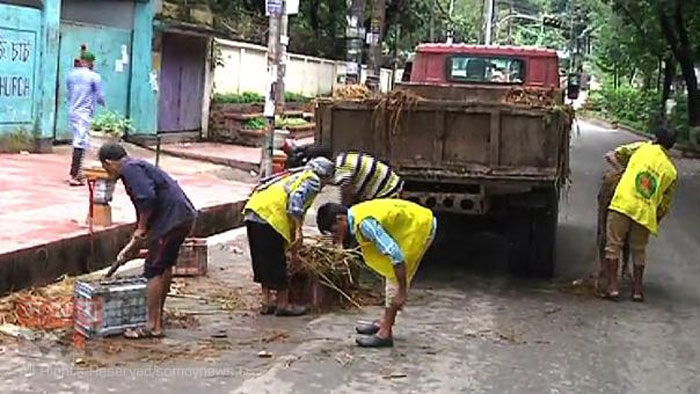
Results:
544 232
519 235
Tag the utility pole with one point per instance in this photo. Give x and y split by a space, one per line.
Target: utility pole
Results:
489 21
374 39
275 68
354 36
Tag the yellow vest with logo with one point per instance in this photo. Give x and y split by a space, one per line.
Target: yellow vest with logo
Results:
271 203
409 224
648 175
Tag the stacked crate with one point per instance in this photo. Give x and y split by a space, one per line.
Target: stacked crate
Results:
192 260
109 307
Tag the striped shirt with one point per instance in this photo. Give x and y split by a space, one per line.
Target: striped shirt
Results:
368 177
84 88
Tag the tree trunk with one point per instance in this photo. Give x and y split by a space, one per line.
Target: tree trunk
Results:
669 73
676 31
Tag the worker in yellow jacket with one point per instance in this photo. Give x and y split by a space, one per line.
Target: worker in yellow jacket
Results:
393 235
274 216
641 200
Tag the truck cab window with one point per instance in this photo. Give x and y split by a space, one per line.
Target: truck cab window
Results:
496 70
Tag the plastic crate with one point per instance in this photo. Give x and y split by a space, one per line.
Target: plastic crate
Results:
109 307
192 260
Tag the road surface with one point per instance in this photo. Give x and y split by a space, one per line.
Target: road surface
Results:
470 328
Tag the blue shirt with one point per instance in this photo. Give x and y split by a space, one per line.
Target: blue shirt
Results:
373 231
84 88
152 190
307 191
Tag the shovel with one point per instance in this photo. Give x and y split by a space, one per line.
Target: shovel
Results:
128 251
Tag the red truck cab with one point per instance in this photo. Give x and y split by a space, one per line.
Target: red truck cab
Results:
450 64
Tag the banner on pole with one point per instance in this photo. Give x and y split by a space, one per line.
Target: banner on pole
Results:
274 7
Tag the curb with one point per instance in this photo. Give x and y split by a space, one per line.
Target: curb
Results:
680 150
233 163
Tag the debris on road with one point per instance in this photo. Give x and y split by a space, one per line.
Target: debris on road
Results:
395 375
344 358
264 354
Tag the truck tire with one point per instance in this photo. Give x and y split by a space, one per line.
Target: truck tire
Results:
544 232
519 235
531 235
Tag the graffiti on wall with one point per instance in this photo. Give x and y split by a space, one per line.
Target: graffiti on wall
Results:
17 73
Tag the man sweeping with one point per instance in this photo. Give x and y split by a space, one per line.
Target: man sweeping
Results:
641 200
165 217
84 88
274 216
393 235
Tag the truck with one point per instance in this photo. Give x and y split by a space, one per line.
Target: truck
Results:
475 130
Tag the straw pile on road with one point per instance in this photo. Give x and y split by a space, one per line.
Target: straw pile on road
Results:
335 267
43 308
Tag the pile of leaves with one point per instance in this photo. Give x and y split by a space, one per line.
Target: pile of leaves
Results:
352 92
335 267
531 97
393 105
43 308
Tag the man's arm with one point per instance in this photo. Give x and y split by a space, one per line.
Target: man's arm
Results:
69 89
666 201
373 231
619 157
99 92
298 200
142 191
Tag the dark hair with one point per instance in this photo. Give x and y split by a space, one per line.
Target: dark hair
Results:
326 216
665 135
111 151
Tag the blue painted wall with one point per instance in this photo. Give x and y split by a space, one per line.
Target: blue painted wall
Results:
20 56
112 49
143 106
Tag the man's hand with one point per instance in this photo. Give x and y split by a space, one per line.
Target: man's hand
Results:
140 234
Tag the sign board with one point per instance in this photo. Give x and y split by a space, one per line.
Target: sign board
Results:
17 86
351 68
292 7
273 7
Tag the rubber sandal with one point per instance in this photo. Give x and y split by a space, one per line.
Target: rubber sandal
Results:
374 341
367 328
267 309
638 297
75 182
292 311
141 333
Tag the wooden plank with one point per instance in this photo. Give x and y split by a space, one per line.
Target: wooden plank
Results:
495 139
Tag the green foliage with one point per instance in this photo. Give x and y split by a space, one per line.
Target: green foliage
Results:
254 98
284 122
627 105
292 97
112 123
678 117
256 124
17 141
243 98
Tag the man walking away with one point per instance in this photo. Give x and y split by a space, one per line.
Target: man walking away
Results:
165 217
362 177
641 200
394 235
84 88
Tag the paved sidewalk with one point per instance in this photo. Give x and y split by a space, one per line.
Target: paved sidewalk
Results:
38 207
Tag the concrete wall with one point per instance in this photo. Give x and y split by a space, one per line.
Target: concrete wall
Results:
112 13
244 69
20 59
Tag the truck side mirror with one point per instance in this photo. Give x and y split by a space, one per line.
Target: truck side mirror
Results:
573 86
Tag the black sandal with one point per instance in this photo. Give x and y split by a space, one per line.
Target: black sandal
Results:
367 328
268 309
374 341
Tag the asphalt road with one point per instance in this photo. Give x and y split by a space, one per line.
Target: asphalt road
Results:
470 327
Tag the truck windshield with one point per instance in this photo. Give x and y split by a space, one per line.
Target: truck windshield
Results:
497 70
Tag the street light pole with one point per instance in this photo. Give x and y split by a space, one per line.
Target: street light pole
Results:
275 69
489 22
